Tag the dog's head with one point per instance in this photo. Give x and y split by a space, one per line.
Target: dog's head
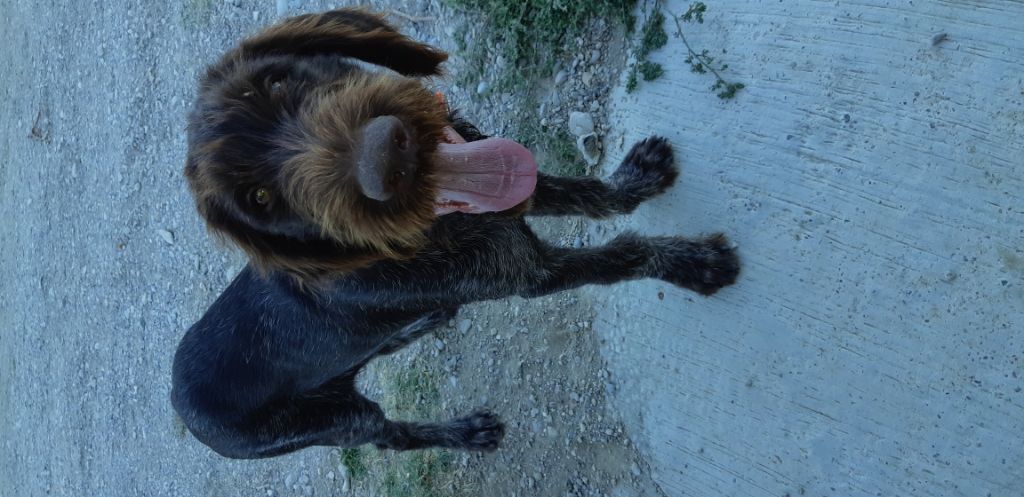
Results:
309 158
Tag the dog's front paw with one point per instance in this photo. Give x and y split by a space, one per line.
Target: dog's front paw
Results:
481 430
703 266
648 169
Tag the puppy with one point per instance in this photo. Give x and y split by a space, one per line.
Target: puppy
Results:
370 214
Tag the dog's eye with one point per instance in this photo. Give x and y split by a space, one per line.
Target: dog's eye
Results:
276 87
261 196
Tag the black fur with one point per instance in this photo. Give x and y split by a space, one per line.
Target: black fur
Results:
271 367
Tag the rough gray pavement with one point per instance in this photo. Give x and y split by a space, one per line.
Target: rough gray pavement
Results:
872 174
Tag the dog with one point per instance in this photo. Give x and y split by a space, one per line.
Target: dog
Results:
369 214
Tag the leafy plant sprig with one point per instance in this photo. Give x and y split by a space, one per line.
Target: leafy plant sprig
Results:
653 37
703 62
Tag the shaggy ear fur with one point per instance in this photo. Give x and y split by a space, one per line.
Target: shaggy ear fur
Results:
350 32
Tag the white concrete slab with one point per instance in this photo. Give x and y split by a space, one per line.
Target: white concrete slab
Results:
875 185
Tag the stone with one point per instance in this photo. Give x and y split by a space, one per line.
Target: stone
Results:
590 147
166 236
580 123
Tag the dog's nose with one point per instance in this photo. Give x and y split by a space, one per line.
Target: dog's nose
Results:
385 158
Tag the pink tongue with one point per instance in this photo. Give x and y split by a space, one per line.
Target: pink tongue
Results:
483 176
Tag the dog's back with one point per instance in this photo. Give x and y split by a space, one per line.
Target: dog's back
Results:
262 342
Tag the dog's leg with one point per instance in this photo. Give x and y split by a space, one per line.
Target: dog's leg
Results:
647 170
507 259
413 331
478 431
703 265
335 414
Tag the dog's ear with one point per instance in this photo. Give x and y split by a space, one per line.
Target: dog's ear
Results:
350 32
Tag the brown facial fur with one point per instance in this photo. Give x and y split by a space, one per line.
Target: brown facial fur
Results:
282 113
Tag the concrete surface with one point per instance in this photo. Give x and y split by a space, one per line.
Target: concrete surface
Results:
874 184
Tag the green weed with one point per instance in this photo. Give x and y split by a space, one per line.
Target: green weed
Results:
424 473
703 62
652 37
352 458
533 34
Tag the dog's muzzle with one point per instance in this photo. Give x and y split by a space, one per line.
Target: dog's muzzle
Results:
385 158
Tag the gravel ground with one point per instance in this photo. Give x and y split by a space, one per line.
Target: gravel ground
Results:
106 264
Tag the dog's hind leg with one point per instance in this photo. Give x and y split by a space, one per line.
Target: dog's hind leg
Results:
647 170
332 414
478 431
335 414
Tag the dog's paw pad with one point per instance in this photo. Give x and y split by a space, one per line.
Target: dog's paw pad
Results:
481 431
704 266
648 169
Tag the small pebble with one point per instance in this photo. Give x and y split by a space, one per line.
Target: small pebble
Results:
590 147
580 123
166 235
